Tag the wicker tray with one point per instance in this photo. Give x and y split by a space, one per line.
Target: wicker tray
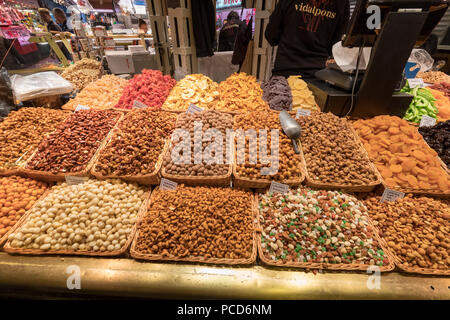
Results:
9 249
146 179
215 181
22 218
61 176
330 266
156 257
350 188
418 270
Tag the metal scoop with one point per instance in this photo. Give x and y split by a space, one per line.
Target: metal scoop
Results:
291 128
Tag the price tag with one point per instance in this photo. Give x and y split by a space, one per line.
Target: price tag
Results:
276 187
166 184
138 105
302 112
391 195
81 107
416 82
427 121
74 180
193 109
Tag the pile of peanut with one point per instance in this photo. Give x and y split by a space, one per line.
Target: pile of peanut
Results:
179 163
332 155
75 142
198 222
307 225
433 77
289 167
416 229
21 132
137 143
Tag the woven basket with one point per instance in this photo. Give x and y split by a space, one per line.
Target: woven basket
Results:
146 179
9 249
330 266
249 183
22 218
349 188
156 257
425 192
61 176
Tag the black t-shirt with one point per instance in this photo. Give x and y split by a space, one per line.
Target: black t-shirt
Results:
305 31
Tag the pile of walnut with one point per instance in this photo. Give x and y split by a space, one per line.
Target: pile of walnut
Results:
137 143
289 163
82 73
202 222
416 229
178 162
331 152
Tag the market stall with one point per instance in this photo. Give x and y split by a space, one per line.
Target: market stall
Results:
152 187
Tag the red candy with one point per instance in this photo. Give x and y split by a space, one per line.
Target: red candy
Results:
150 87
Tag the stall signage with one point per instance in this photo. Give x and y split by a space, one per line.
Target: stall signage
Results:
427 121
167 184
193 109
221 4
416 82
276 187
302 112
74 180
81 107
391 195
138 105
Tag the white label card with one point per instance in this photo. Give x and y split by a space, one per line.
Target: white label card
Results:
276 187
302 112
193 109
427 121
81 107
74 180
166 184
416 82
138 105
391 195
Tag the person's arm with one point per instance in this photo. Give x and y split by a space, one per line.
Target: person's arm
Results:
341 28
275 27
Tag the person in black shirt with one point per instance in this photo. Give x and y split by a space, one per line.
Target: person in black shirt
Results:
305 31
229 31
47 18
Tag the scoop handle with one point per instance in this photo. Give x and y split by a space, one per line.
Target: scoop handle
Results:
295 146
